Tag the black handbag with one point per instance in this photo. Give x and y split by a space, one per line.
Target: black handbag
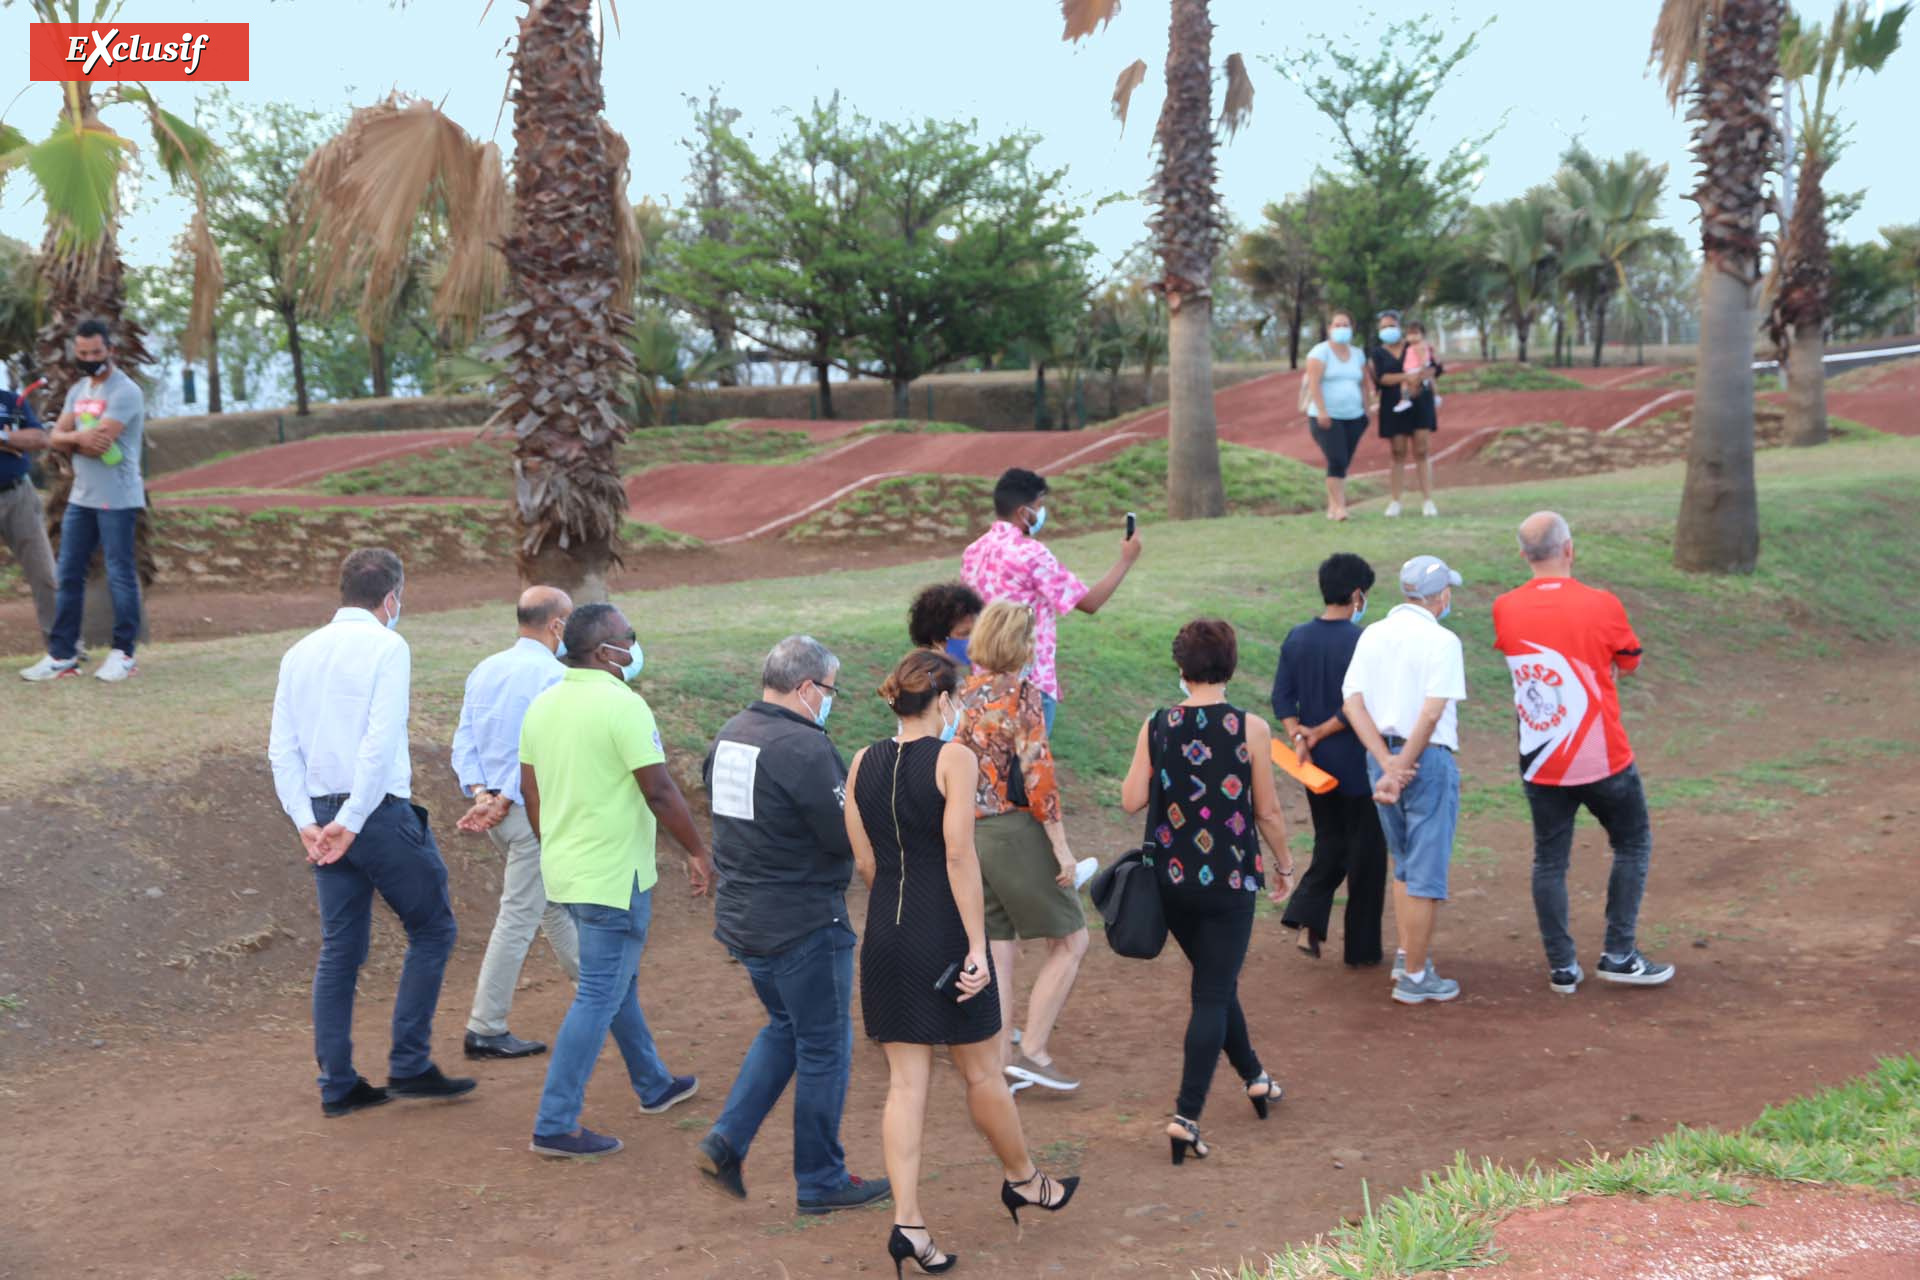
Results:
1127 893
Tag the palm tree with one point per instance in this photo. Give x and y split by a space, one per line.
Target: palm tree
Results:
565 248
1852 44
1518 239
1724 56
1187 231
1616 203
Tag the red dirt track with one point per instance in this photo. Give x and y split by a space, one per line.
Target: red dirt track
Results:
288 466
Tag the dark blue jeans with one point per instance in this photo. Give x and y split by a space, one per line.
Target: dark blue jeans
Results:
1620 804
607 997
808 992
82 530
395 856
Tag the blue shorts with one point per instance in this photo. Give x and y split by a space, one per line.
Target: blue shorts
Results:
1419 829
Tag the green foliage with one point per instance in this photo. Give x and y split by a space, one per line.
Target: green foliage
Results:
1277 264
78 168
1508 377
1871 290
1389 208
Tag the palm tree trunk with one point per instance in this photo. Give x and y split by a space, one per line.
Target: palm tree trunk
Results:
1807 386
213 367
1599 331
292 317
1296 322
1040 417
1520 328
562 395
1187 230
1736 145
902 405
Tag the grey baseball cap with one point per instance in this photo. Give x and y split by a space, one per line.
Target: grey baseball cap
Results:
1425 577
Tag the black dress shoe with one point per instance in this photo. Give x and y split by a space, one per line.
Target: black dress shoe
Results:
504 1045
718 1164
429 1084
363 1096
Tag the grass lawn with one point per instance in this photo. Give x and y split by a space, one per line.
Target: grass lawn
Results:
1507 377
1826 513
1864 1133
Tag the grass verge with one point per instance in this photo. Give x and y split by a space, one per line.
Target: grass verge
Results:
1507 377
1864 1133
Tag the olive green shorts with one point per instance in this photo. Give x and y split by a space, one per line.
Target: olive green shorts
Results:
1018 869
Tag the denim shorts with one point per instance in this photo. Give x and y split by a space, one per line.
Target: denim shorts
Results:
1420 828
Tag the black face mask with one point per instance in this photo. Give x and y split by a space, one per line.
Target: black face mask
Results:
91 368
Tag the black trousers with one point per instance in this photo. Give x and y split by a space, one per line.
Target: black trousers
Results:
1347 845
1213 927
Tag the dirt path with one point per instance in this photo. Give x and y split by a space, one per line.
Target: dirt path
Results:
1795 973
288 466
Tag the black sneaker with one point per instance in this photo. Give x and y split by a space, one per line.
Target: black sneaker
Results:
363 1096
682 1088
581 1144
1567 981
720 1166
430 1084
1635 971
504 1045
857 1194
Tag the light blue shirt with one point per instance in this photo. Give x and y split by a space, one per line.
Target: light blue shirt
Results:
486 746
1340 380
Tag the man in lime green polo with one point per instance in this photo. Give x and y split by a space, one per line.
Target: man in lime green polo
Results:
594 779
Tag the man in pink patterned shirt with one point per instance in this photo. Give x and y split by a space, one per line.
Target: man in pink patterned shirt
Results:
1008 562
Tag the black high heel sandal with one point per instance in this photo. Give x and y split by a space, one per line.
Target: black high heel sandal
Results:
1261 1102
901 1249
1015 1202
1188 1145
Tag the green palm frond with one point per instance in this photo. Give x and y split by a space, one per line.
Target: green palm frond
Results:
78 167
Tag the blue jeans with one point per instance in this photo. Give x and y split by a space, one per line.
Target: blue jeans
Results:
808 992
1420 828
82 530
1048 705
608 997
1620 803
395 856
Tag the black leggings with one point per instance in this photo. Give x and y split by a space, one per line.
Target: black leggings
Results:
1338 440
1347 845
1213 928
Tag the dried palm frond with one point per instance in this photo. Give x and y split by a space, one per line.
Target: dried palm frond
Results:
1237 106
1676 41
626 231
1130 79
476 272
209 280
1083 16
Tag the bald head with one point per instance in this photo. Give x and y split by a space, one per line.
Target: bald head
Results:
1547 544
543 614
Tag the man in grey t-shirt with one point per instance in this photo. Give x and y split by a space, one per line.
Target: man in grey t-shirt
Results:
103 429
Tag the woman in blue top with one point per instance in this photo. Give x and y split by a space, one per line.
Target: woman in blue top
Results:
1339 384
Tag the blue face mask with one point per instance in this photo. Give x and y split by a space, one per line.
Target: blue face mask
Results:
1390 336
393 621
826 709
1039 521
1444 613
949 727
957 650
1361 612
560 649
1340 334
636 659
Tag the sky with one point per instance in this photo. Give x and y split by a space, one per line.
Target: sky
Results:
1552 70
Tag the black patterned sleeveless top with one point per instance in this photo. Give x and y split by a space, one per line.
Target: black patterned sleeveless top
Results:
1200 836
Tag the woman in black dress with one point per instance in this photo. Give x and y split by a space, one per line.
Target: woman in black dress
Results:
1204 769
1409 434
925 974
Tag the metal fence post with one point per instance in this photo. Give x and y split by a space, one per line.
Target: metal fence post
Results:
280 426
929 404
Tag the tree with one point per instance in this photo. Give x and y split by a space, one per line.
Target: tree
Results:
20 304
1276 262
1518 239
1468 282
1723 55
1614 203
1817 62
1904 244
570 260
1866 293
1390 208
1187 231
714 203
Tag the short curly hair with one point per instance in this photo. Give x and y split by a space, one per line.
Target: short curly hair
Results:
1207 651
937 610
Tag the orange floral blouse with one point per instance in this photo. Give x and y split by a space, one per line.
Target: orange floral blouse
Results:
1002 721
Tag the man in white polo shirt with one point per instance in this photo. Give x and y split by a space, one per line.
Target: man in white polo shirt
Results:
1407 674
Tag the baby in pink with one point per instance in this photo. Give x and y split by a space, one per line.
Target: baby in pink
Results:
1416 363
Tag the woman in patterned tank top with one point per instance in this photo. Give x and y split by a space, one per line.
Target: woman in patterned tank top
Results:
1203 772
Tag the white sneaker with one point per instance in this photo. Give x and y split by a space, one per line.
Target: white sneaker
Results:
1403 406
1083 871
1393 510
116 668
51 668
1438 401
1429 510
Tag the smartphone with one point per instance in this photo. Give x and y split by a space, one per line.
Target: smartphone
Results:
1132 522
948 984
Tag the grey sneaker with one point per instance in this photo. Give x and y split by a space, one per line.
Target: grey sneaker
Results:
1399 966
1432 987
1052 1076
1635 971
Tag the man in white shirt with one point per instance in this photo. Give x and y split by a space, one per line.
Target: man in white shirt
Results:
340 766
1407 674
486 759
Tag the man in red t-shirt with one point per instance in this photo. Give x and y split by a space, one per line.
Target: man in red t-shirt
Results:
1564 641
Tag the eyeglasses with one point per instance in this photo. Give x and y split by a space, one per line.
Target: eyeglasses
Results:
832 690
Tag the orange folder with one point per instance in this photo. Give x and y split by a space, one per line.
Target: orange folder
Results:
1311 776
